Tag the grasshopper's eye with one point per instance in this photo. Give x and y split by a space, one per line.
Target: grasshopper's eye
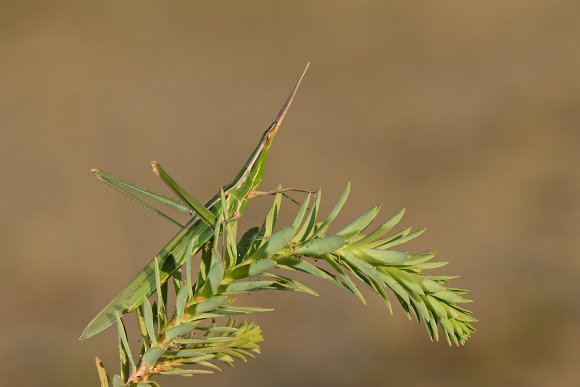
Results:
268 138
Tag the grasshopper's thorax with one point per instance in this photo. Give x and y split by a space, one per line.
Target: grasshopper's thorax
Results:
250 176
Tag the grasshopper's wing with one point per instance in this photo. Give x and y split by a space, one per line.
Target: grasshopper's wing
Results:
169 260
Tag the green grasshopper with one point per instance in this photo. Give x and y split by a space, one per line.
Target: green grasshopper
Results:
196 232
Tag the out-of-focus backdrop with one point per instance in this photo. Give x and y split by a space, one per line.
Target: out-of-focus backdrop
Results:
467 113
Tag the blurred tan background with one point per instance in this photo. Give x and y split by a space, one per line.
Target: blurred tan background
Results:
464 112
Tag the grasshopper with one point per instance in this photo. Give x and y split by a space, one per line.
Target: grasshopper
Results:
196 232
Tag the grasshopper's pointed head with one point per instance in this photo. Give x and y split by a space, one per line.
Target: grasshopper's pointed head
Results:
270 133
253 169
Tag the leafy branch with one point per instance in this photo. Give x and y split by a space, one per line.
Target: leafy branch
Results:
203 332
191 340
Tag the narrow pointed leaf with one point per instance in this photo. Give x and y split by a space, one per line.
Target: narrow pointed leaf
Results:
152 355
363 266
279 240
118 381
127 362
181 300
359 224
318 247
323 227
149 325
308 226
178 330
382 257
208 305
247 240
161 311
301 212
143 330
346 280
290 284
252 269
399 235
381 230
216 271
186 372
402 240
269 224
245 286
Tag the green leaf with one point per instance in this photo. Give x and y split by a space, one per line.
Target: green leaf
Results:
224 358
409 280
301 212
382 257
400 234
381 230
323 227
318 247
436 306
361 265
346 280
246 286
247 240
208 305
188 256
286 283
178 330
359 224
208 340
217 230
152 355
231 255
433 287
402 240
292 263
209 365
251 269
127 362
187 353
161 313
418 259
268 226
217 329
186 372
181 300
235 310
143 330
308 227
118 381
394 285
149 325
279 240
216 271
